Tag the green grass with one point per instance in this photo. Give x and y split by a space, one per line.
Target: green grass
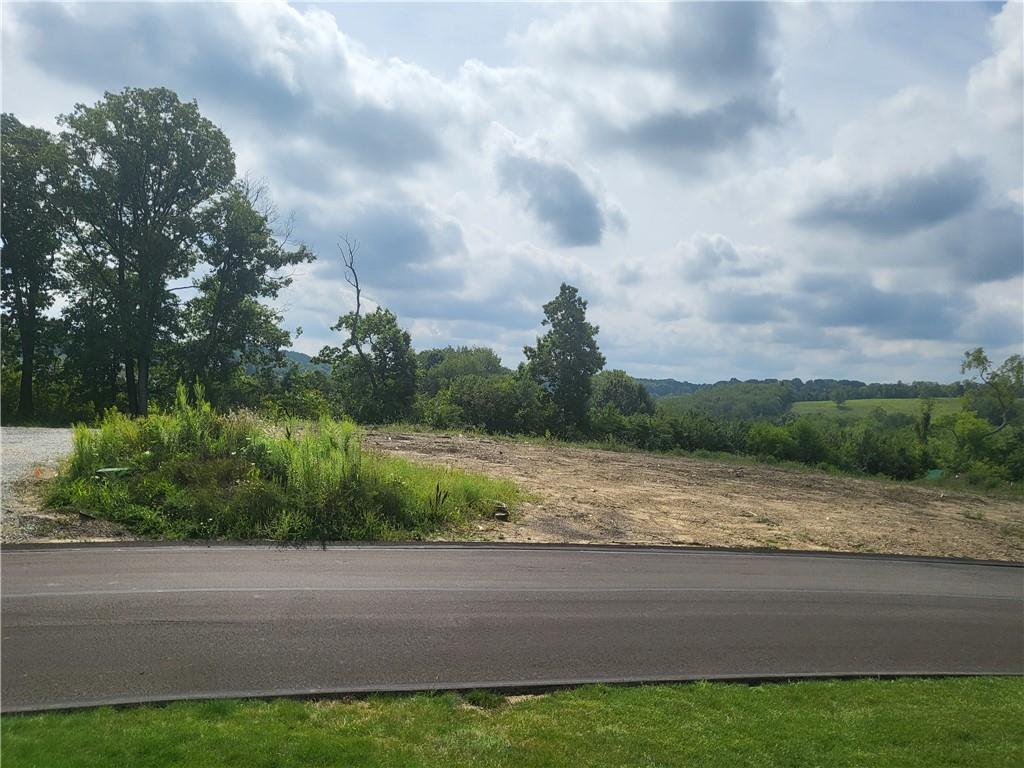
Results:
194 473
929 723
853 409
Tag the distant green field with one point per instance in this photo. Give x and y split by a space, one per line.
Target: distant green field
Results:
857 408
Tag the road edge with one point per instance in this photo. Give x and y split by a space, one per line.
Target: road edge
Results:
486 545
504 688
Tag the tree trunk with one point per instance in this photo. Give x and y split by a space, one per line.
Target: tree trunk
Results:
26 406
202 364
143 387
112 385
130 386
146 323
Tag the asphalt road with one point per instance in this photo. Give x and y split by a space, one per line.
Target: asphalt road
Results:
87 625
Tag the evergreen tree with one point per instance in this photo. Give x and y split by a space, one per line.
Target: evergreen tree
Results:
566 358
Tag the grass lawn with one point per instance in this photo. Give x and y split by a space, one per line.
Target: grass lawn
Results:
858 408
953 722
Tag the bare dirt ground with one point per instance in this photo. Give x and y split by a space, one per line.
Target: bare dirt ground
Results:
583 495
28 457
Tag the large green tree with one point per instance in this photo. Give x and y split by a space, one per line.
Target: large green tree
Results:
439 367
92 363
143 167
993 390
32 164
621 391
566 357
227 328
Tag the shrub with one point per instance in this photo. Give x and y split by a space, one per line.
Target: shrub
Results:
503 404
877 452
809 441
439 411
771 441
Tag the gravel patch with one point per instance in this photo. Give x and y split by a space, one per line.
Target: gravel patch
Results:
29 456
22 449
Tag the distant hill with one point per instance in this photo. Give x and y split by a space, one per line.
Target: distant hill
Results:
665 387
304 361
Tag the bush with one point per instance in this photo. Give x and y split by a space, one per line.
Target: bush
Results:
621 391
876 452
199 474
502 404
809 442
771 441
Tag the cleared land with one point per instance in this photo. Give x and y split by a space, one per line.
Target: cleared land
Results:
972 721
860 408
583 495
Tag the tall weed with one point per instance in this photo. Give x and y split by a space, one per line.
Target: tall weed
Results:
194 473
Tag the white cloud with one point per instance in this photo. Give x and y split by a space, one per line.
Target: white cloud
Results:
996 85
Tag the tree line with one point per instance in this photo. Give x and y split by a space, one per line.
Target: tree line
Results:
136 203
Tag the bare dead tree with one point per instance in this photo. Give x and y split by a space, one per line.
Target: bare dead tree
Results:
348 250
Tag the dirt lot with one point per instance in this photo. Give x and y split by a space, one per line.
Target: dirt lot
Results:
589 496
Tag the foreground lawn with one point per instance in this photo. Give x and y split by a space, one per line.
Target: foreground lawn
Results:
970 722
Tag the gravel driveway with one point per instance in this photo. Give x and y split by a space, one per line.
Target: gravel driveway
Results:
24 448
28 456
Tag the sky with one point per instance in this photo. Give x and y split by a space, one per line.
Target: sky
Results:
738 189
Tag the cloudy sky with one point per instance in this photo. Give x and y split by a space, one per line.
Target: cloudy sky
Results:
740 190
